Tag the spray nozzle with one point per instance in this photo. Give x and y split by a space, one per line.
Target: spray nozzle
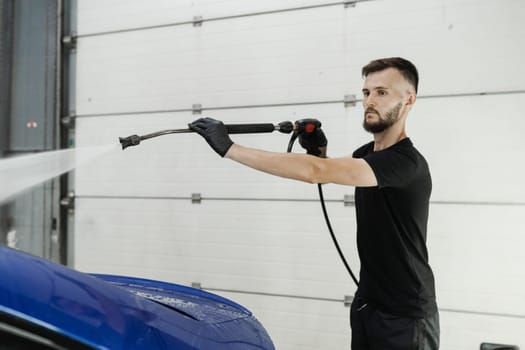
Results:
132 140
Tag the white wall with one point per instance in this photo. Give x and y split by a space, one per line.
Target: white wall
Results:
266 235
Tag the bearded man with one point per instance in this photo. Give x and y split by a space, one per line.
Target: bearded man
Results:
394 306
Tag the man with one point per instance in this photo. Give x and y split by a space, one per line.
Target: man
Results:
394 306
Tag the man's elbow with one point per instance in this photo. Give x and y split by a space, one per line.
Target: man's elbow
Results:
314 174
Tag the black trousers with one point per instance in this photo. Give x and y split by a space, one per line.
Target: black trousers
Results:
373 329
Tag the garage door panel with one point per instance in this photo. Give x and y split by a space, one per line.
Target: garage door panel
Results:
473 146
126 14
450 42
278 247
240 62
178 165
477 258
223 63
264 246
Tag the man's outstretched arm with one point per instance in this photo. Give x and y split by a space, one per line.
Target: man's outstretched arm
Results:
303 167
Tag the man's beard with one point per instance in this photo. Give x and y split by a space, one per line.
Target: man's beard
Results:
384 122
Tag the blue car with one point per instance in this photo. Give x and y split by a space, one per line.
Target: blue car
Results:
44 305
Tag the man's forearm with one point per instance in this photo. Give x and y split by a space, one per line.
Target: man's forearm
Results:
295 166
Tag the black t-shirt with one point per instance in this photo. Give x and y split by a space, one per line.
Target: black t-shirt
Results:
391 231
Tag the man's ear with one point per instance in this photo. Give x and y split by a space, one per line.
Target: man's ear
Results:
411 99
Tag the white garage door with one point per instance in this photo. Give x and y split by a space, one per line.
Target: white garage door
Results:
143 66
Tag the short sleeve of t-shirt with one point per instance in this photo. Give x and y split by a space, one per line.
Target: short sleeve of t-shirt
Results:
395 166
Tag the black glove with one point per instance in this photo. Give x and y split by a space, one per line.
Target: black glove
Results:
214 132
312 142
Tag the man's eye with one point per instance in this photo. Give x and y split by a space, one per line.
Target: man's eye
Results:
381 93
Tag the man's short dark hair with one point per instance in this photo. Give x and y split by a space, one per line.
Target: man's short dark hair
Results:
405 67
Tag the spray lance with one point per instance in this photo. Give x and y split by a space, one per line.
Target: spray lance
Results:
296 128
286 127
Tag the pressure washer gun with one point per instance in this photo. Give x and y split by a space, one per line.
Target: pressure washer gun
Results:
300 126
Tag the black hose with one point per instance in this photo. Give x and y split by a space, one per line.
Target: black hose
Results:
326 218
341 255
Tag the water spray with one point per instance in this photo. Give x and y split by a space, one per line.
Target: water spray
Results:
21 173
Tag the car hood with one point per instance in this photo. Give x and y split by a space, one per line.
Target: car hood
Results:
116 312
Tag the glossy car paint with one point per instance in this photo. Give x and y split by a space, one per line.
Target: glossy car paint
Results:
116 312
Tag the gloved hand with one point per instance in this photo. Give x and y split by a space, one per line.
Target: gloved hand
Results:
214 132
314 143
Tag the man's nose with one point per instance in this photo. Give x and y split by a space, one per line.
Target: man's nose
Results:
368 101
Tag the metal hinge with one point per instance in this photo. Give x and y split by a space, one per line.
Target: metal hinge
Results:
196 198
350 4
349 100
196 285
70 42
348 200
196 108
348 300
197 21
68 202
